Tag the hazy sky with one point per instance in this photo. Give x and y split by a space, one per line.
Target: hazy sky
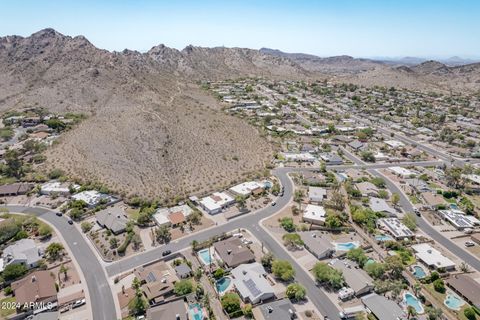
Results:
359 28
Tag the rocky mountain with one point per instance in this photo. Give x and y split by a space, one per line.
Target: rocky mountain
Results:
151 129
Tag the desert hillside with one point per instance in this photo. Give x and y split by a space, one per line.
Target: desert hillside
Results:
150 129
149 132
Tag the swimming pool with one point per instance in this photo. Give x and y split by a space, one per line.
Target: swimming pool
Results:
346 246
411 300
383 237
205 257
419 272
196 311
223 284
452 301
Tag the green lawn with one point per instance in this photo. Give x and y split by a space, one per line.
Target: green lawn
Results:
133 213
6 312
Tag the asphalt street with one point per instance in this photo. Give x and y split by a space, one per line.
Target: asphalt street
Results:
101 299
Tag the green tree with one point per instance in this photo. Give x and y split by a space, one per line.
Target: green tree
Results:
469 313
395 199
394 265
326 274
375 269
138 305
333 221
287 224
163 234
44 231
219 273
357 255
183 287
439 285
434 313
86 226
410 221
64 269
54 250
14 271
296 292
231 303
367 156
267 260
283 269
292 240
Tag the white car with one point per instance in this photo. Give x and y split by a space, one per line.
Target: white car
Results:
78 303
469 244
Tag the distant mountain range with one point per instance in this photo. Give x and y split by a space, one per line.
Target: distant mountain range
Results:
150 121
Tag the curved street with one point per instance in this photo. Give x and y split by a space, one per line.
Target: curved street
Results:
101 298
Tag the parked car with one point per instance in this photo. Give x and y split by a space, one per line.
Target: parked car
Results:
78 303
59 214
417 212
70 221
273 203
238 235
469 243
166 252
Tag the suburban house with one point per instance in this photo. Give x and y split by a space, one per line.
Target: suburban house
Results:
38 286
299 157
418 185
314 214
431 257
394 144
93 198
433 200
331 158
233 252
24 251
355 277
113 219
321 248
251 283
466 287
276 310
317 194
458 219
157 281
395 228
172 216
383 308
311 178
55 187
403 172
247 188
380 205
356 145
367 189
175 310
15 189
216 202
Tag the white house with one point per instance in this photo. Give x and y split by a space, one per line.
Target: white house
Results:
251 283
394 144
173 215
403 172
24 251
246 188
314 214
216 202
317 194
395 227
56 187
432 257
93 198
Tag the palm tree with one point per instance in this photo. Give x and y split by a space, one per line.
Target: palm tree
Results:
194 245
411 312
464 267
64 270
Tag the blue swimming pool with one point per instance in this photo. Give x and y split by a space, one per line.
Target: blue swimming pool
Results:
411 300
205 257
419 272
346 246
452 301
223 284
196 311
383 237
